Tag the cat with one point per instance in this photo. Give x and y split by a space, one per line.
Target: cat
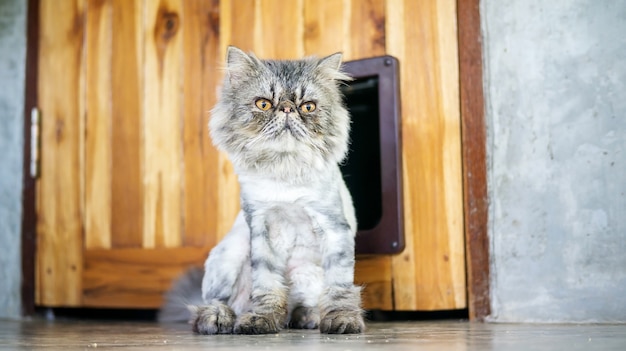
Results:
288 260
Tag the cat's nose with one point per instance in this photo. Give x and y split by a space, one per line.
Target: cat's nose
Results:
286 106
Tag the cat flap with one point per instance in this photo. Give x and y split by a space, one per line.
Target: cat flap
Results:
373 167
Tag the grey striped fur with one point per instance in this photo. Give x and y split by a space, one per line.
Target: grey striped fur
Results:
288 261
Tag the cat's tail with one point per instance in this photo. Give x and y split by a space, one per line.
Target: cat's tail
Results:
185 291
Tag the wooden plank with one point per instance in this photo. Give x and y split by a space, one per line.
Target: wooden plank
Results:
374 274
452 165
281 23
134 277
474 159
404 265
97 125
126 104
200 30
425 45
59 226
162 125
367 18
237 23
321 18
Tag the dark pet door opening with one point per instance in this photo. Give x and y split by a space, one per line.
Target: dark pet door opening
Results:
373 168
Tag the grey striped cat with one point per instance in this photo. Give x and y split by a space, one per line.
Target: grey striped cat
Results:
288 260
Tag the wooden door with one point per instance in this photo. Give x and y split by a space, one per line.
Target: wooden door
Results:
131 191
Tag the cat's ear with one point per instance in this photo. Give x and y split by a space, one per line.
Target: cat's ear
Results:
240 64
331 65
332 61
236 57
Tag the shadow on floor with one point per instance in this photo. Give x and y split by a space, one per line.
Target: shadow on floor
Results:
147 315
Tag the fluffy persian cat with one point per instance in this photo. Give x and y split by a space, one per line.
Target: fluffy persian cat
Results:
288 260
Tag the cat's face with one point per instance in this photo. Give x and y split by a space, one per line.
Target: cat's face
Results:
281 111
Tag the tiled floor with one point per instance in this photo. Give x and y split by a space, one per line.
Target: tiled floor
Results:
79 335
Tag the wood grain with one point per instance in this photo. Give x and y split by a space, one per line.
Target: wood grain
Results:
126 101
238 23
233 15
59 226
367 18
324 30
431 157
162 132
279 29
374 274
200 30
134 278
447 68
404 265
474 159
97 125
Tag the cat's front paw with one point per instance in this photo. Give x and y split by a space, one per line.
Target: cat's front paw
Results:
304 318
212 319
252 323
342 322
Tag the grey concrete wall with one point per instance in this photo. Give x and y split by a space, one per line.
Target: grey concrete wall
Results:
12 65
555 75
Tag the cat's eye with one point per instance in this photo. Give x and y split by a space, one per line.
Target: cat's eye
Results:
263 104
308 106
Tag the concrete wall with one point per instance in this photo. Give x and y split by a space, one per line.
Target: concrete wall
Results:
12 65
555 75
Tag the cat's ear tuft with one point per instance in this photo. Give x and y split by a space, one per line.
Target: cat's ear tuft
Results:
236 57
332 61
239 64
332 65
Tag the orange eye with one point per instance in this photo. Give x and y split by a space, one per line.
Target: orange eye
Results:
308 107
263 104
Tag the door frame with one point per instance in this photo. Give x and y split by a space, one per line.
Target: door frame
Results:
29 210
474 157
474 160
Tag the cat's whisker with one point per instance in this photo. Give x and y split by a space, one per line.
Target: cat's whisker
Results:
318 148
255 140
266 132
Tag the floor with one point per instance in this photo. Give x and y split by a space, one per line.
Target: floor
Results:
447 335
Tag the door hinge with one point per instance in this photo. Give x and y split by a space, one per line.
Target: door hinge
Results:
34 142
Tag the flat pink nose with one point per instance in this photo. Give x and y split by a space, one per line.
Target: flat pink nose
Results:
287 106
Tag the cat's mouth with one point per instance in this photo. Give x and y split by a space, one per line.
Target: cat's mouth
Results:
284 128
287 131
298 133
290 126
